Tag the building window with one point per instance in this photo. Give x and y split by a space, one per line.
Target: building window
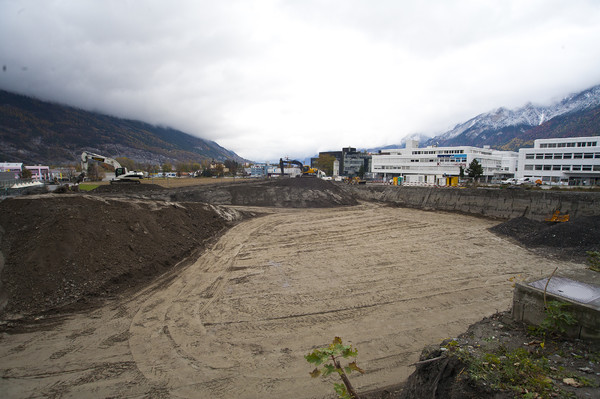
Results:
547 156
577 155
555 167
576 167
538 167
557 156
586 168
547 167
596 168
566 167
570 144
543 145
567 155
530 156
539 156
528 167
588 155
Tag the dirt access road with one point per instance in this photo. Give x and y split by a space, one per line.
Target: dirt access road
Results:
237 322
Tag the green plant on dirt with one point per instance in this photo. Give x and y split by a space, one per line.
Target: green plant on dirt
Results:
527 374
558 318
593 260
329 357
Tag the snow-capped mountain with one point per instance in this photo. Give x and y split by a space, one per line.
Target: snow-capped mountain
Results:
421 138
500 126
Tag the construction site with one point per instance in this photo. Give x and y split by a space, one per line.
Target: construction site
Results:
219 290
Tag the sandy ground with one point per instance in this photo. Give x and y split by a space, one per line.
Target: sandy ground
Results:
237 322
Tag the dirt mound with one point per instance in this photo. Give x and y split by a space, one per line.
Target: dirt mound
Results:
127 188
569 239
519 228
284 193
311 183
69 249
580 233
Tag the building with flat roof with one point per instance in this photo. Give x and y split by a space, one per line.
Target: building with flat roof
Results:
573 161
349 161
436 165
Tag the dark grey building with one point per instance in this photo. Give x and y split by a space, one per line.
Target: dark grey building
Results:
349 160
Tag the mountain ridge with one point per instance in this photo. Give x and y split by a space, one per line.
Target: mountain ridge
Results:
577 114
501 126
35 131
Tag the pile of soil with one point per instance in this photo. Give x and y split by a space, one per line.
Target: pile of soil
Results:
281 193
62 250
445 375
570 239
121 188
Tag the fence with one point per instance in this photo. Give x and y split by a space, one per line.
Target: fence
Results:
19 183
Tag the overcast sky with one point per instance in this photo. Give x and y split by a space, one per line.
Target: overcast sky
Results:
269 79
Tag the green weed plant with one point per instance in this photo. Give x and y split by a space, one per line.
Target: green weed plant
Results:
329 357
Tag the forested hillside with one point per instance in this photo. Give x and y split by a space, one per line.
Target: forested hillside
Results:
38 132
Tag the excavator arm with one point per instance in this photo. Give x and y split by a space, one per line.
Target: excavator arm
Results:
90 156
121 173
306 170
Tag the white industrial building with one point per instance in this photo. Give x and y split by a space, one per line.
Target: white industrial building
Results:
574 161
437 165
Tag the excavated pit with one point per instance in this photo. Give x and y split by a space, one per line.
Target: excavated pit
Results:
64 252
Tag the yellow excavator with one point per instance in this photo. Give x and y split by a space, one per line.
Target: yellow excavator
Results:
307 171
557 217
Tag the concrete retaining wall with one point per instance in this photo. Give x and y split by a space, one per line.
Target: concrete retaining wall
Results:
494 203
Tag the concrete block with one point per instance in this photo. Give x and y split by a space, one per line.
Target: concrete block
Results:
579 288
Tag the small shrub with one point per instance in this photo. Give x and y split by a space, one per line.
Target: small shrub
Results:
329 357
558 318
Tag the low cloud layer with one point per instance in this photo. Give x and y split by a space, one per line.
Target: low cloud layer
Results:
268 79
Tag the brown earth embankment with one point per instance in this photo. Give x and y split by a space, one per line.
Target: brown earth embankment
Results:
488 202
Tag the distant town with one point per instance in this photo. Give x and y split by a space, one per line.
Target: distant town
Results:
573 161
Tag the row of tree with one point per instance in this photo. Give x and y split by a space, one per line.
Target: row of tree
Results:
204 168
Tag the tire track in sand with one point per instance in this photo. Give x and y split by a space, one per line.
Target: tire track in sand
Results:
238 321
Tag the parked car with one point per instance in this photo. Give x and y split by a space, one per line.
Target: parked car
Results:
525 180
512 180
